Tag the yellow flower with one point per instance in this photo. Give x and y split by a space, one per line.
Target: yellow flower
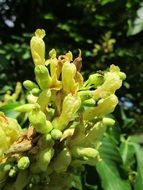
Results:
70 106
37 46
68 80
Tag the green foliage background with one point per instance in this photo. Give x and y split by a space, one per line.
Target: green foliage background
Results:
107 32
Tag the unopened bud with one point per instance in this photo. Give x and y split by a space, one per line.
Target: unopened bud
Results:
68 74
42 76
29 85
95 79
12 172
24 108
44 158
108 121
56 134
52 53
23 163
38 47
35 91
84 152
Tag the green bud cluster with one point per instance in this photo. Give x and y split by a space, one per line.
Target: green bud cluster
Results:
67 119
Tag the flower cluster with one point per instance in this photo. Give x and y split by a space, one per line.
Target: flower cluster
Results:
67 119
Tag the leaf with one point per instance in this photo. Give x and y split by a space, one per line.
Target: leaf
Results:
104 2
9 106
8 109
137 138
48 16
135 26
108 168
127 153
139 178
110 180
109 151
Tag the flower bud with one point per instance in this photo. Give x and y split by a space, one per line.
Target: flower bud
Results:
55 71
35 91
37 46
52 53
95 80
31 98
44 158
89 103
68 74
44 99
23 163
69 56
42 76
7 167
29 85
13 171
24 108
17 91
56 134
108 121
79 152
85 95
38 119
49 126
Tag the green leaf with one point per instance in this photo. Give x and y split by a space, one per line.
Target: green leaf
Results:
127 153
137 138
8 109
104 2
48 16
139 178
111 180
136 26
109 151
9 106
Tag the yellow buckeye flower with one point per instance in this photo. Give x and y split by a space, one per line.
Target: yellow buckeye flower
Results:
37 46
104 107
70 106
68 74
112 82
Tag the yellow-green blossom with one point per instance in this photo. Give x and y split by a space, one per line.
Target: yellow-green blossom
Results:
70 106
68 81
37 46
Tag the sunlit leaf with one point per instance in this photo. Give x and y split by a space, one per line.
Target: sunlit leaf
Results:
139 178
109 179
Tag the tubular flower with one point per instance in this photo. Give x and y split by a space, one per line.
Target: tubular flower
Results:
112 82
37 46
68 81
70 106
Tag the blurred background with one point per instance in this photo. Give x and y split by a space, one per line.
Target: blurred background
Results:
107 32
